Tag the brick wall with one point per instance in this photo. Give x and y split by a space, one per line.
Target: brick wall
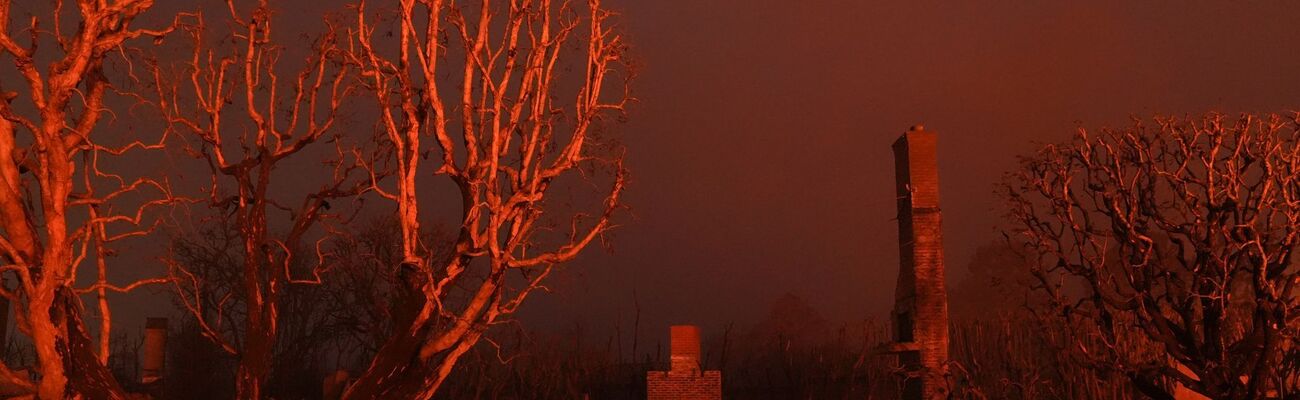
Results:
663 385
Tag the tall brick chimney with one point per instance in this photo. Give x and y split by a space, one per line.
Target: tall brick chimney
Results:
685 379
920 313
155 350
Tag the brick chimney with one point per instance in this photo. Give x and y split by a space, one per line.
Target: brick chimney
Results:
920 301
685 379
685 345
155 350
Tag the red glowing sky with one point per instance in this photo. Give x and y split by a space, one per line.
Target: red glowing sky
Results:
760 147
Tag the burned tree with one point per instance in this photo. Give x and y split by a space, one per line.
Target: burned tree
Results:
48 145
1166 250
248 123
485 81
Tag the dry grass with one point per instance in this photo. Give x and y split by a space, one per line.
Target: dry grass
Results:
993 359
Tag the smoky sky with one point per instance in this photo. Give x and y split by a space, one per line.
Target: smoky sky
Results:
760 145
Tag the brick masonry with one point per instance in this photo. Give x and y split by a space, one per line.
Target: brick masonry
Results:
685 380
684 345
920 300
663 385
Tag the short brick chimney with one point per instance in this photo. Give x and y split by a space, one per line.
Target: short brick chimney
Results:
685 346
155 350
685 379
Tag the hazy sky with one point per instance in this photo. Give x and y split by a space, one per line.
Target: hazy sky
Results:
760 147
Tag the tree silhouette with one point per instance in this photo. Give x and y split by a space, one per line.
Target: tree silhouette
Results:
1166 249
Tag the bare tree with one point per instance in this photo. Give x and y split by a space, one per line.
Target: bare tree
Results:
341 322
248 123
485 80
45 131
364 287
1167 248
